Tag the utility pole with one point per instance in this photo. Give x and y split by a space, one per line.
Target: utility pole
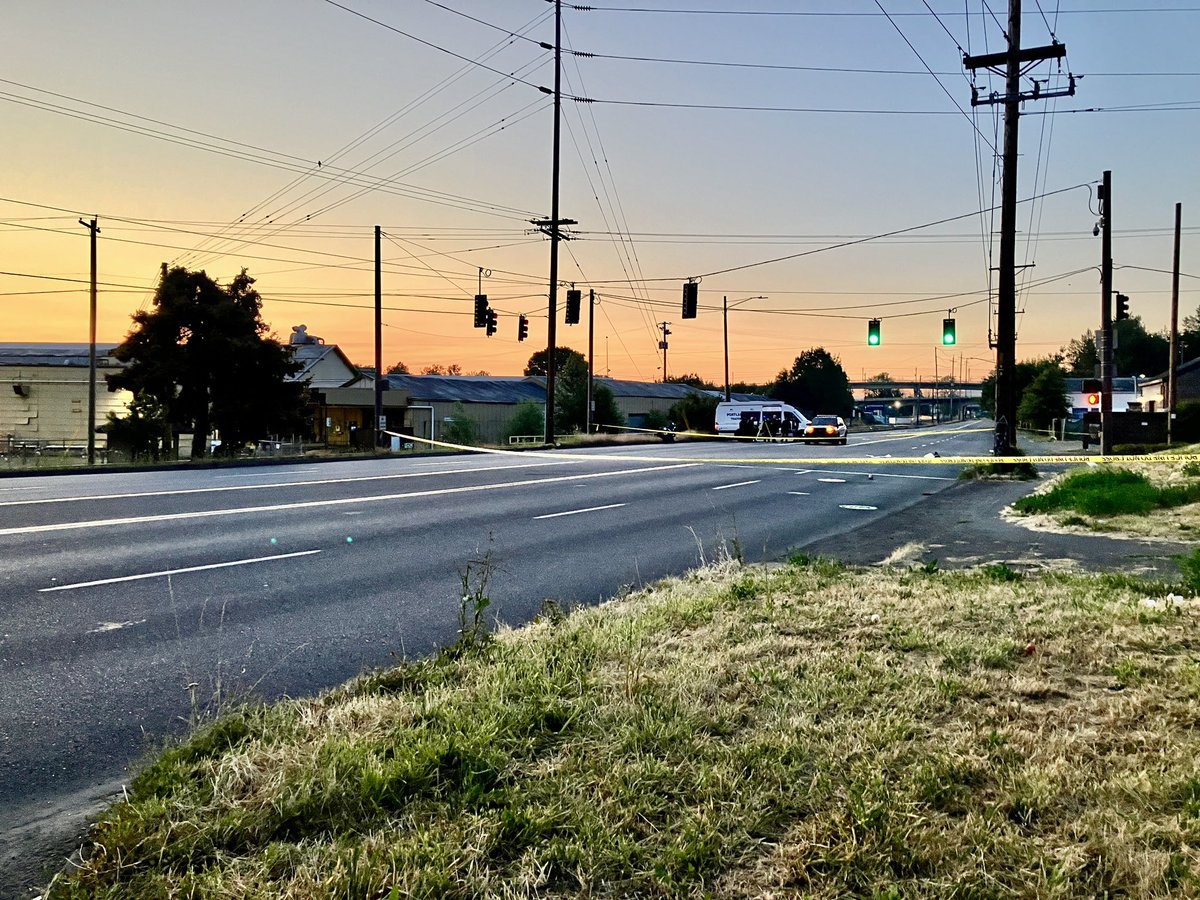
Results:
662 345
378 429
1106 325
725 326
551 227
591 361
91 413
1006 301
1174 325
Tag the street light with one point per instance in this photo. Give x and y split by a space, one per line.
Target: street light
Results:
725 304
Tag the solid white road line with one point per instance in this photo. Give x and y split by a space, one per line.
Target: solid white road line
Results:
799 493
165 572
275 484
314 504
725 487
575 512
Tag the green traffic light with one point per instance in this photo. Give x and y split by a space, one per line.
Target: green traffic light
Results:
873 333
948 332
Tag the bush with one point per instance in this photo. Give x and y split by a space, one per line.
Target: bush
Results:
1187 422
529 419
462 429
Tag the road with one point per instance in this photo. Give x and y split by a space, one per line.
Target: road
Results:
130 603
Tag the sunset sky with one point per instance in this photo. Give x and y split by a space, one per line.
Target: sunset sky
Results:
738 142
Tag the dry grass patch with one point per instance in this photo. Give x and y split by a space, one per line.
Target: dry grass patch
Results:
800 730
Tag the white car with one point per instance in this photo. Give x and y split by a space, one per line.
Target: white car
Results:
831 429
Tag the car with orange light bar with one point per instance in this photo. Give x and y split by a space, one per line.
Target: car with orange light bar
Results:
825 429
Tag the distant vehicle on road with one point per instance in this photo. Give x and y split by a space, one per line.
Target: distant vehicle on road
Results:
766 418
825 429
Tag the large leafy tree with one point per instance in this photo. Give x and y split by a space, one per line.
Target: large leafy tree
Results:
202 355
816 383
695 412
567 362
1136 351
1024 376
1045 399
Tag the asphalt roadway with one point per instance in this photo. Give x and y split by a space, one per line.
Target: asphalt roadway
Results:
130 603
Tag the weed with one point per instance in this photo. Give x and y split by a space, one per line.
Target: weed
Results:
929 567
1001 572
1189 566
473 630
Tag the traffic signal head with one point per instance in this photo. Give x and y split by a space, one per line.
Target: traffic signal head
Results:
1093 399
491 322
522 328
1122 307
949 335
574 298
691 297
873 333
481 310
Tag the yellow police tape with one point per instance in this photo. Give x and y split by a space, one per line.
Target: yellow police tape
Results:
809 462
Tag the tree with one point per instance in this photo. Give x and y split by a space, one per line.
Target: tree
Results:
399 368
693 380
439 369
1189 337
1023 376
816 383
461 429
1082 356
1044 400
143 433
695 412
880 393
570 398
1136 351
202 354
566 363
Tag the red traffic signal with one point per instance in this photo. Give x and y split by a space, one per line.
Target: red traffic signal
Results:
1093 399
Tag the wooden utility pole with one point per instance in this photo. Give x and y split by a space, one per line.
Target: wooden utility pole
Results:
591 361
1006 301
1174 363
91 413
725 329
1106 325
551 227
377 430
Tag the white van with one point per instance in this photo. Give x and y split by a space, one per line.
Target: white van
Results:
761 418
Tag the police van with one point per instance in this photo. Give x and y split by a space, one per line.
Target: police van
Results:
762 418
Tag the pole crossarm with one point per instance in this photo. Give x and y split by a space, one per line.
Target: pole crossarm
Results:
1023 55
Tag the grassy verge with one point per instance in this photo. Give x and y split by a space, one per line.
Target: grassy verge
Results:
1158 500
800 730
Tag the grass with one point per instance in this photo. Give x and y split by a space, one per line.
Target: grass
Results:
1109 492
797 730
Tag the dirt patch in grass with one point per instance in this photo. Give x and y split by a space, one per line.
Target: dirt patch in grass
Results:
799 730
